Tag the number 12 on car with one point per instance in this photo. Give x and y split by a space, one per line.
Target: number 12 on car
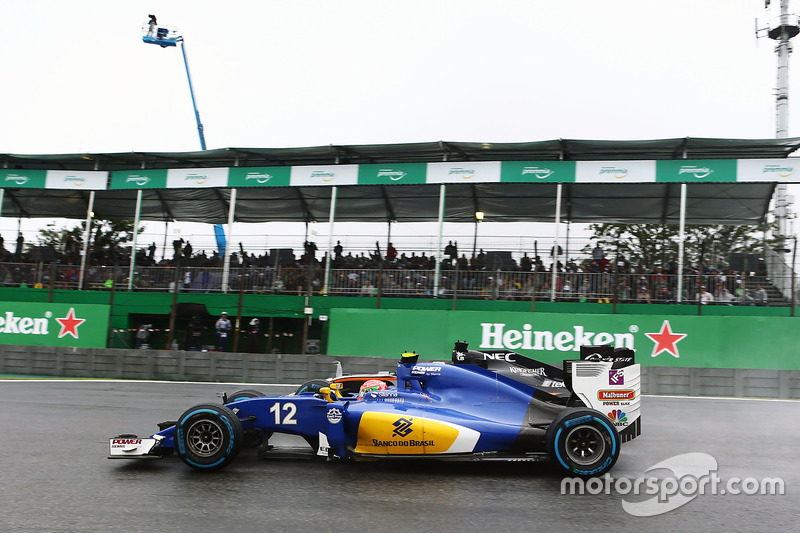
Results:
287 419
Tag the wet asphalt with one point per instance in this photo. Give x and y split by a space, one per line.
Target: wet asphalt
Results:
55 475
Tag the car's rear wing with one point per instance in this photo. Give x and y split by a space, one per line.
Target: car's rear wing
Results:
604 378
609 380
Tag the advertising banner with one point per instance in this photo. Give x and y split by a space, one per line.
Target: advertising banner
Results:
464 172
615 172
43 324
196 178
776 170
259 176
87 180
677 341
391 174
139 179
330 175
696 171
22 179
538 171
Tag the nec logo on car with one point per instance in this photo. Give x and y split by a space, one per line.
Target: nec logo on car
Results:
402 427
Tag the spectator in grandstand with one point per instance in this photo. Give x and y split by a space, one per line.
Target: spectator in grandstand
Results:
20 243
525 263
368 289
597 252
177 246
658 279
724 296
760 295
571 267
704 297
643 291
310 249
663 295
337 250
761 269
623 291
391 253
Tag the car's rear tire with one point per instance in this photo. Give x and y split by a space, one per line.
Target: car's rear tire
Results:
208 436
584 442
313 385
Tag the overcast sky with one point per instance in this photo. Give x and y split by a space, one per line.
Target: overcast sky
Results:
78 78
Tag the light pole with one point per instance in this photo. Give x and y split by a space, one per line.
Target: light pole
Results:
478 218
164 36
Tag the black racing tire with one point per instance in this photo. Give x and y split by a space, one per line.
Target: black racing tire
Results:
208 436
313 385
584 442
244 394
252 437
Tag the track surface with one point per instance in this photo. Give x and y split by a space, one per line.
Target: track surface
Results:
55 475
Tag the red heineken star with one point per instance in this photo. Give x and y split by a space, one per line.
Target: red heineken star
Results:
666 340
69 324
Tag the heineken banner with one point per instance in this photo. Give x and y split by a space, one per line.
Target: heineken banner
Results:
681 341
40 324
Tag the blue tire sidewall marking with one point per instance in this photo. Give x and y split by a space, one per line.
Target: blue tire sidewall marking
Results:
572 422
230 434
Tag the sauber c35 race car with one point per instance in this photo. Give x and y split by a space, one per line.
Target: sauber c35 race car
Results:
483 405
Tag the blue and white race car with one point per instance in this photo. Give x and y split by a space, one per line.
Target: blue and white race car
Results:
482 405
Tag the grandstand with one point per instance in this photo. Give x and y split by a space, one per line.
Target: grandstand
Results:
675 181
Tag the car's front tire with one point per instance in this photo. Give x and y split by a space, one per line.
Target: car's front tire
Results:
208 436
584 442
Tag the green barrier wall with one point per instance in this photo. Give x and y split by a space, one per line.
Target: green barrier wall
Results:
757 342
662 335
54 324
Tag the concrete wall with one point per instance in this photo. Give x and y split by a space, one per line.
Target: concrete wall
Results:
288 368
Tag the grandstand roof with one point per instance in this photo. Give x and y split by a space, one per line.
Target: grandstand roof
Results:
708 202
558 149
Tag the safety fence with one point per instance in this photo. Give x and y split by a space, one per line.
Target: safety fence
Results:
731 288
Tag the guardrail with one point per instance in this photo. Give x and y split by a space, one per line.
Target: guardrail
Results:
720 289
296 369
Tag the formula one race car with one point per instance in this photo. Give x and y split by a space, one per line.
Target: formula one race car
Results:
484 405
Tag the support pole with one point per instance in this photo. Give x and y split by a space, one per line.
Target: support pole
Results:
331 216
135 236
86 235
681 239
226 264
554 268
442 190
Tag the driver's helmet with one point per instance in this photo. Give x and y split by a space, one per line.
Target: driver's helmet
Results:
371 385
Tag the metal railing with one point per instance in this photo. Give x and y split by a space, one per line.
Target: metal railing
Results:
725 289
